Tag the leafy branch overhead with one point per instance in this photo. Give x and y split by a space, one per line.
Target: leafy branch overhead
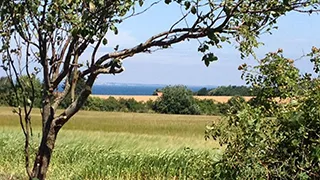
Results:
54 38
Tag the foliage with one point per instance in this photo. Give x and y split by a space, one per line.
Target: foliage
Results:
50 37
156 92
202 92
176 100
208 107
112 104
283 146
232 106
231 91
6 93
33 89
131 105
32 92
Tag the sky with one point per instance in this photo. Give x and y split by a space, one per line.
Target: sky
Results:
182 64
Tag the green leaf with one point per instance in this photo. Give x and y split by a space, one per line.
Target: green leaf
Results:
203 48
223 38
193 10
140 2
213 37
286 2
105 41
114 29
187 5
167 1
208 58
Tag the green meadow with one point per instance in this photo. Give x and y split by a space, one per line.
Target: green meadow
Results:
115 145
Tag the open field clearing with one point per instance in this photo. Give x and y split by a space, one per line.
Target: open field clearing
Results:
104 145
221 99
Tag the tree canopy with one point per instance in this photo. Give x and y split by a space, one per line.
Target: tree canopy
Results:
176 100
232 91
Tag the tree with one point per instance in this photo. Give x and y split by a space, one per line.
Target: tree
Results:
232 91
202 92
208 107
176 100
278 136
48 39
8 96
5 92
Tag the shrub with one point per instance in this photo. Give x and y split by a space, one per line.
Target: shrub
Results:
94 104
283 146
176 100
131 105
208 107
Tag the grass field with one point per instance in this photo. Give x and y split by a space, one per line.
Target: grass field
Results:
107 145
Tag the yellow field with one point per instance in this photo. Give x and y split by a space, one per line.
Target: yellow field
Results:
221 99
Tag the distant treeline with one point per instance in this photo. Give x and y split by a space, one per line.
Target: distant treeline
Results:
174 100
222 91
226 91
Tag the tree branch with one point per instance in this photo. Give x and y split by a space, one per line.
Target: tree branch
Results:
75 106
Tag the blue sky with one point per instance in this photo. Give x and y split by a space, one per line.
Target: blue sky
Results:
182 63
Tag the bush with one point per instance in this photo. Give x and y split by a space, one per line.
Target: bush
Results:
208 107
277 137
112 104
95 104
233 105
131 105
176 100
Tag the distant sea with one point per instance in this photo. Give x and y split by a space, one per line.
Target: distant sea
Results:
133 89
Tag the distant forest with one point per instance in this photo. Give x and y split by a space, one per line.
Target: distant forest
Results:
221 91
226 91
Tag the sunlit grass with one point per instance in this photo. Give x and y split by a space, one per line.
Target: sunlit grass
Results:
104 145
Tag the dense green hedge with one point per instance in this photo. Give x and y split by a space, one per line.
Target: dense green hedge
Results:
112 104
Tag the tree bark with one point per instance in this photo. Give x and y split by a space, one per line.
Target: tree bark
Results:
49 135
51 127
44 153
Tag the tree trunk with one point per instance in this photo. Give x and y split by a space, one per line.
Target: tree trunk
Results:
44 153
51 127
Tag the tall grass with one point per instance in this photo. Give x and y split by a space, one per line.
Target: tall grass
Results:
96 145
